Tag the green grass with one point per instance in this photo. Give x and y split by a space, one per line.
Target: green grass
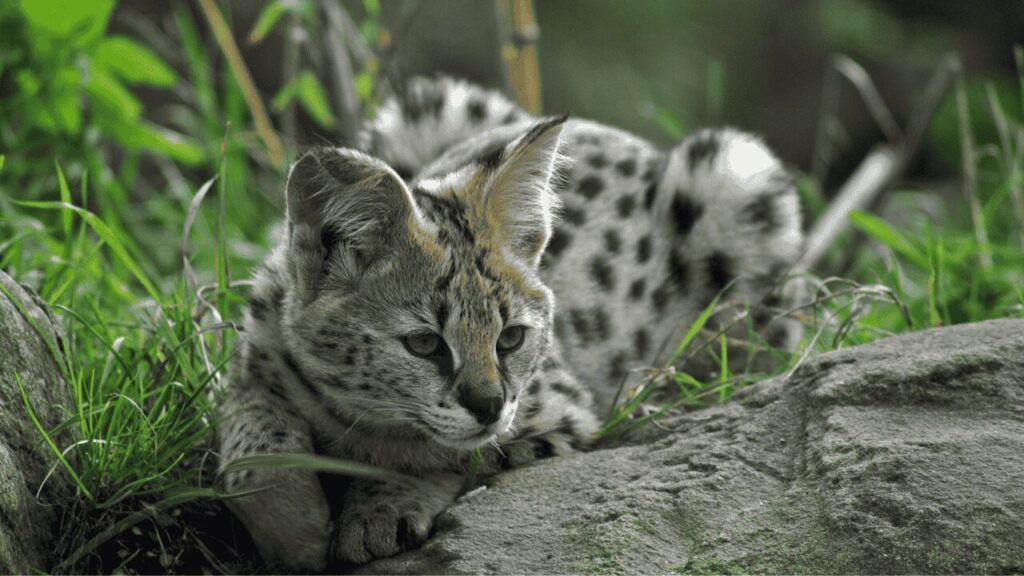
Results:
143 274
967 266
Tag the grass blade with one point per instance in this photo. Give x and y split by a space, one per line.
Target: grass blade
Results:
317 463
106 234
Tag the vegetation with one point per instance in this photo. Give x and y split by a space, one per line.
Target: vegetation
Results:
139 228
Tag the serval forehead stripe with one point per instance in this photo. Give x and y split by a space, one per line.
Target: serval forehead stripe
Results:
471 243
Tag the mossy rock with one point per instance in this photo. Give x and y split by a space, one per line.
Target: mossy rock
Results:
27 521
901 456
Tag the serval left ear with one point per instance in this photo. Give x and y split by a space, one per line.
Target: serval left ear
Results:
519 202
345 211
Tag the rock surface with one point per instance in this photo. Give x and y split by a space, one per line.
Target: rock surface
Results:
26 524
906 455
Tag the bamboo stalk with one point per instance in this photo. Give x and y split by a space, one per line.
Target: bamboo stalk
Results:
524 68
224 38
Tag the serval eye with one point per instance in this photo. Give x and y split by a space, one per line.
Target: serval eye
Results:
510 339
424 344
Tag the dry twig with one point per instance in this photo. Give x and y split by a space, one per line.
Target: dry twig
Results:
884 164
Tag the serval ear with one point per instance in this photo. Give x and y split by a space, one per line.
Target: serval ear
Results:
519 202
345 210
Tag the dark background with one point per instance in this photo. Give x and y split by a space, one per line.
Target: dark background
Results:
755 64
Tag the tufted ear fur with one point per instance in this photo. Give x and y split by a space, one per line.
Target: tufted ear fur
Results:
519 202
344 208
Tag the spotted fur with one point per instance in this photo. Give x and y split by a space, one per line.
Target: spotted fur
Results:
463 217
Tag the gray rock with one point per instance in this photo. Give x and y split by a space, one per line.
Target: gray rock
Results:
26 524
906 455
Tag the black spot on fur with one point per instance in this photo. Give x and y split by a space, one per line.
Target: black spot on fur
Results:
477 110
580 325
292 365
703 149
542 448
428 99
441 314
560 240
637 289
649 195
275 389
678 270
653 169
559 327
568 391
567 425
589 187
612 241
511 117
446 279
643 249
602 273
659 297
625 206
641 343
448 212
685 213
597 161
258 308
574 216
719 270
626 167
761 213
617 367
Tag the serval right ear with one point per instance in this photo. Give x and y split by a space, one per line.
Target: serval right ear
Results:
343 209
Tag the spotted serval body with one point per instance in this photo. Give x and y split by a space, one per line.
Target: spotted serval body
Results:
473 277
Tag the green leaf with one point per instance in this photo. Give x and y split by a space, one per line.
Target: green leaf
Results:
880 230
671 125
314 99
133 62
268 19
114 99
66 105
84 20
307 89
159 140
65 196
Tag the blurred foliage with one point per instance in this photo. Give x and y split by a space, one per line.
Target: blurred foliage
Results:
66 87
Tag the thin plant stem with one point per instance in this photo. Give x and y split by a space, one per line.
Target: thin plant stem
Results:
971 176
226 41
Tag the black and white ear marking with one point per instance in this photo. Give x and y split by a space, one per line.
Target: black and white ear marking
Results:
519 201
342 207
